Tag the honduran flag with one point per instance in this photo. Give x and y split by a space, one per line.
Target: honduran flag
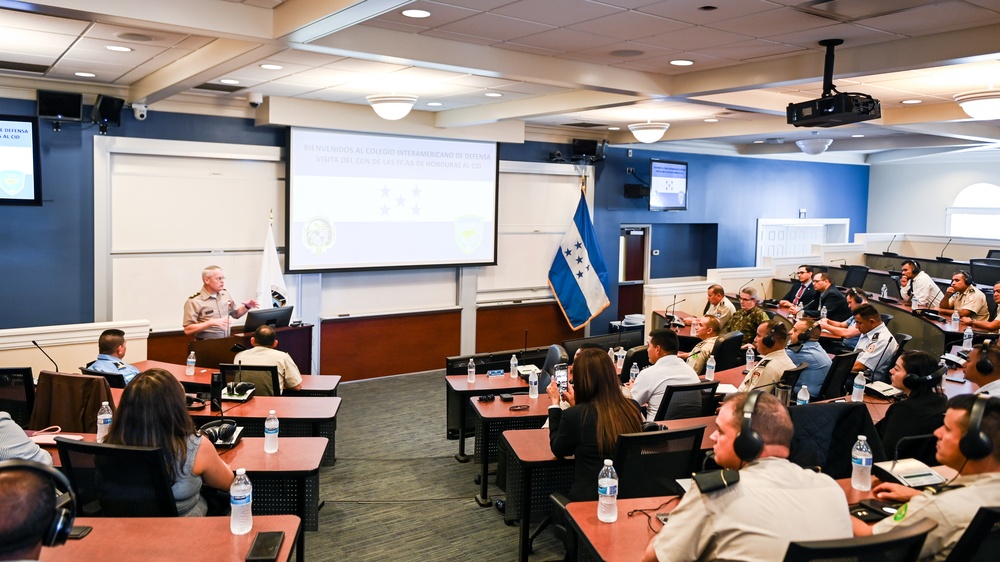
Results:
578 276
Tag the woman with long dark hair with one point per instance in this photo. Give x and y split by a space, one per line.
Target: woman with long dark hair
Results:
590 427
922 412
153 413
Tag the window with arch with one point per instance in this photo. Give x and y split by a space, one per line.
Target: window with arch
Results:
975 212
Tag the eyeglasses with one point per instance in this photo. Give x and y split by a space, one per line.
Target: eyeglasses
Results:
801 272
746 299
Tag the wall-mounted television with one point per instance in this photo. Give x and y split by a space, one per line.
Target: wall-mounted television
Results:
668 186
20 167
60 106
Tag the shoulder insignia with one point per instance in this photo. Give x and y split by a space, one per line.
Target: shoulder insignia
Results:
195 295
901 512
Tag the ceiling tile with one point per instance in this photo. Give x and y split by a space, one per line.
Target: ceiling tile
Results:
37 22
364 66
493 26
605 52
771 22
988 4
630 4
440 14
35 43
395 26
693 38
328 95
478 5
936 18
93 50
321 77
749 50
441 34
532 89
853 36
305 58
283 90
661 65
562 40
473 81
112 33
630 25
687 10
525 49
556 12
159 61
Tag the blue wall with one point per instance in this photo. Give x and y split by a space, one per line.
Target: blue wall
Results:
48 251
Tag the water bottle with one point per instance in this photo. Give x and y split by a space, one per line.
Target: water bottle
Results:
884 292
472 371
955 319
802 398
271 433
103 421
967 339
620 358
513 366
822 312
611 354
750 358
607 490
861 465
633 372
240 502
533 385
915 303
858 390
710 369
189 369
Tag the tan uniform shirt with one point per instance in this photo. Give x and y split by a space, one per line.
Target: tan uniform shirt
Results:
971 299
767 371
723 311
203 306
288 372
699 355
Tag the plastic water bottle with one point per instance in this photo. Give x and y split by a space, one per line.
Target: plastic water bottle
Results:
861 465
271 433
750 358
611 354
822 312
710 369
633 372
915 303
955 319
472 371
620 358
189 369
103 421
858 390
967 339
240 502
884 292
802 398
513 366
533 384
607 490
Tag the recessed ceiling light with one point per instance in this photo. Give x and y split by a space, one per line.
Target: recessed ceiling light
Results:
911 102
416 13
85 74
229 81
682 62
493 94
711 120
118 48
857 136
758 142
271 66
614 128
434 104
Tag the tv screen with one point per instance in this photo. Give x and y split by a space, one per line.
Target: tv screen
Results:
275 317
20 167
60 106
667 185
363 201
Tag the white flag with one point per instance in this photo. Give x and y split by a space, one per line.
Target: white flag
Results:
271 291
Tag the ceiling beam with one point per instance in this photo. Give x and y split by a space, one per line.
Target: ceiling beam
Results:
302 21
554 104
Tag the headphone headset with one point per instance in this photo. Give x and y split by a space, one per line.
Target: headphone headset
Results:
768 339
915 382
975 444
965 275
219 430
915 264
983 364
748 444
63 516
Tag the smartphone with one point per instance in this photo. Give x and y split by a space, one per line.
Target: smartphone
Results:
888 508
79 531
562 376
265 546
663 517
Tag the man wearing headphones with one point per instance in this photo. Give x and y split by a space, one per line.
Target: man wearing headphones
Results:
877 345
965 443
983 368
965 297
986 325
29 518
770 343
805 332
753 514
916 285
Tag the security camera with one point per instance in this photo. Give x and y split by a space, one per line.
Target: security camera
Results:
255 99
140 110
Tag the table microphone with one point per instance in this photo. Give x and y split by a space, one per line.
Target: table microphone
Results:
743 286
942 256
46 354
895 455
887 252
841 260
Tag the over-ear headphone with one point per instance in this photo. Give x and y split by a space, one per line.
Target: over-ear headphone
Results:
768 339
915 265
748 444
965 275
975 444
63 516
914 381
983 364
219 430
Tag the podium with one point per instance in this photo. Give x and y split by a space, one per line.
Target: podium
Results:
293 340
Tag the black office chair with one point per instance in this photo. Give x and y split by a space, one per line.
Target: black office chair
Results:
981 540
117 481
985 271
899 545
728 351
990 303
17 394
115 380
886 318
554 356
701 404
836 377
636 356
826 432
855 276
649 463
264 377
995 254
791 376
901 341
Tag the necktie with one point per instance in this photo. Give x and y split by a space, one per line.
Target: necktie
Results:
798 295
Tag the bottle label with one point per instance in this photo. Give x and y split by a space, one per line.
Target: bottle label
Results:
611 490
104 420
268 431
861 461
241 500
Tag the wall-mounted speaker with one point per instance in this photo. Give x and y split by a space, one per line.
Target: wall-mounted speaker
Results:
107 110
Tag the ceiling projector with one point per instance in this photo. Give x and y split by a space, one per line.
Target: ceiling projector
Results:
834 110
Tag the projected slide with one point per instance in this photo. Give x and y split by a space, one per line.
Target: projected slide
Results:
368 201
18 164
667 186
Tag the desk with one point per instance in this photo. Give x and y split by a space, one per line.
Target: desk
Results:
492 419
175 346
201 381
167 539
457 394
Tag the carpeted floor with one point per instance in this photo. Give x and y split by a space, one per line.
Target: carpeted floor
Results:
397 493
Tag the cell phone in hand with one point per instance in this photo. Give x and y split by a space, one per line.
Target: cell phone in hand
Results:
562 376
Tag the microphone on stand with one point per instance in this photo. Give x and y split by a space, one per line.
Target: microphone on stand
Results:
895 456
525 341
763 292
942 256
841 260
743 286
887 252
46 354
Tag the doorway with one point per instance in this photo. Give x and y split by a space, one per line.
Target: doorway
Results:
633 268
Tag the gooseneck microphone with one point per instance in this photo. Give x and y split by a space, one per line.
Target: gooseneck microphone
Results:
46 354
743 286
942 256
895 455
843 261
887 252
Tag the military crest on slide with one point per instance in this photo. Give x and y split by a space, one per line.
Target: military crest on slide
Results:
468 233
319 235
11 181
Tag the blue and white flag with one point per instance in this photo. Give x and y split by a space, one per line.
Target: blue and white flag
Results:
578 276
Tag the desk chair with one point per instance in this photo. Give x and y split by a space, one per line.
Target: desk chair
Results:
855 276
638 355
264 377
17 394
898 545
704 402
115 380
727 351
791 376
886 318
901 341
836 377
825 433
117 481
990 303
986 271
69 401
554 356
981 540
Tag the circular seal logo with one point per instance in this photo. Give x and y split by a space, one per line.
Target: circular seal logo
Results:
319 235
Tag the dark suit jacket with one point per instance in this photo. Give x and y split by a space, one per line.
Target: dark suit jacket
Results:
808 296
573 431
918 415
835 303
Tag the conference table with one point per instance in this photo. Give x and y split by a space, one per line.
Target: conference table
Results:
168 539
458 391
495 417
201 381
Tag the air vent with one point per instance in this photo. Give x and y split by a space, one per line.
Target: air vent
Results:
23 67
584 125
227 88
852 10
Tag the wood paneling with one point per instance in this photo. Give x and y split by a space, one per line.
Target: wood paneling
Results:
376 346
502 327
172 347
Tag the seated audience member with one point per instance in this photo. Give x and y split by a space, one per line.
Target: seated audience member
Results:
829 297
666 369
918 287
806 348
977 484
770 344
916 374
772 503
589 428
718 306
984 356
153 413
14 444
985 324
111 355
29 505
707 329
846 329
748 317
264 353
802 291
877 345
963 296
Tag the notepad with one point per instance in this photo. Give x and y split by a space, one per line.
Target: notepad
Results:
726 389
50 438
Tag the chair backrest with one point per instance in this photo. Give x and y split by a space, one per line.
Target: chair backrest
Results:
554 356
990 303
264 377
791 376
826 432
17 394
628 339
985 271
855 276
981 540
886 318
69 401
637 355
899 545
692 401
836 377
117 481
727 351
115 380
995 254
901 341
649 464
